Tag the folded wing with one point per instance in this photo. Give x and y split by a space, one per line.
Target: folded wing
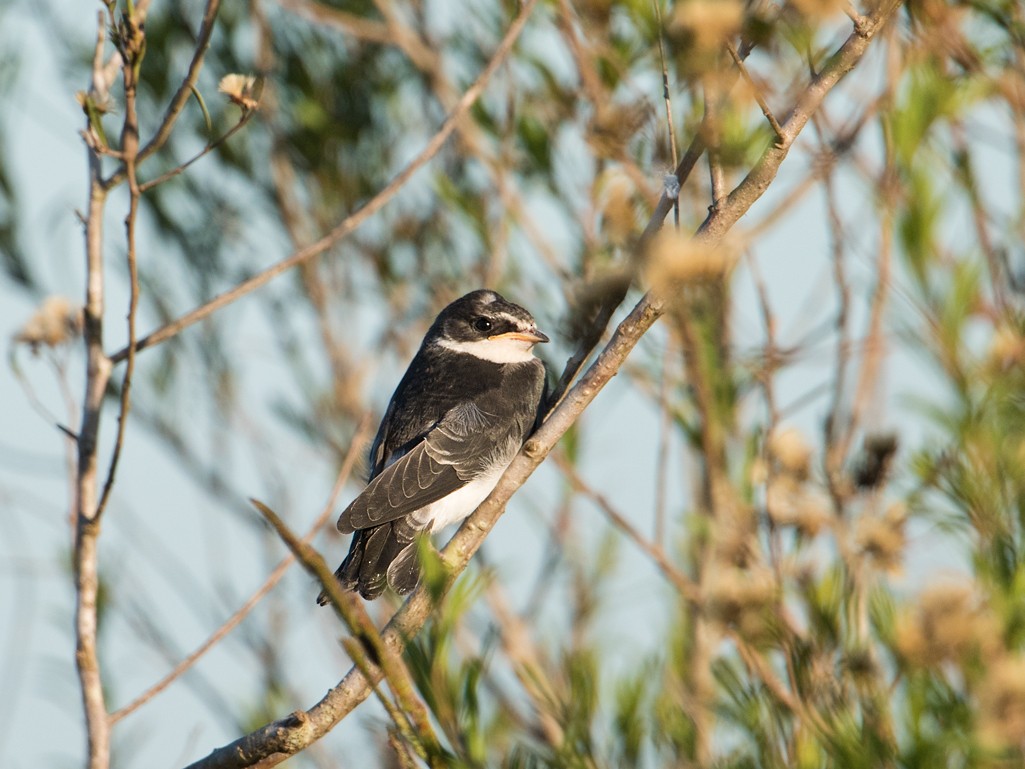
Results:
451 454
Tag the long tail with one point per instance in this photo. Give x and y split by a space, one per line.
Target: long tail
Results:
379 556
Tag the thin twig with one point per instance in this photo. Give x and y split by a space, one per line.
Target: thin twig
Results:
671 133
654 551
980 214
665 421
711 129
386 663
210 147
132 45
776 128
527 665
835 448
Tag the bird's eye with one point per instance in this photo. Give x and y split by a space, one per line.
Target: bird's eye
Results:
482 324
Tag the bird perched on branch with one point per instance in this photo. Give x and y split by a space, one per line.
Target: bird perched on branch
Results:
466 404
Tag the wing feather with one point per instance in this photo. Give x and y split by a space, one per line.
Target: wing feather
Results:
405 486
455 451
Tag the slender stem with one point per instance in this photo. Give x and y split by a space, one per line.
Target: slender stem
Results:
653 550
712 129
132 55
247 115
86 567
755 90
667 98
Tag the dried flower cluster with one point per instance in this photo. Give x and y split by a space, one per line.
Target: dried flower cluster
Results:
55 322
950 624
789 499
745 599
882 538
706 23
241 90
675 260
1001 716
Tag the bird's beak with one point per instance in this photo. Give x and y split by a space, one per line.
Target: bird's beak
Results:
531 335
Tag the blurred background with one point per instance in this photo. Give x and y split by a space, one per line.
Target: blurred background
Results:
788 533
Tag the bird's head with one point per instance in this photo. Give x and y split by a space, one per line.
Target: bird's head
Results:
487 326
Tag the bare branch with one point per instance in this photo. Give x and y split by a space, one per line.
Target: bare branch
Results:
761 176
374 659
755 90
86 566
349 23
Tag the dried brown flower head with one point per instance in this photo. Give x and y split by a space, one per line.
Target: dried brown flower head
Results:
791 504
873 464
55 322
949 624
882 538
707 23
742 598
241 89
791 452
675 260
613 125
1002 703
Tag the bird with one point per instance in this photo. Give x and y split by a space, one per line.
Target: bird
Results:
469 399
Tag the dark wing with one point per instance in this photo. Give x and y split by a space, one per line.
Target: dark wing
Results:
449 457
380 555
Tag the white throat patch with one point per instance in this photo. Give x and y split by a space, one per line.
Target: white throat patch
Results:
497 350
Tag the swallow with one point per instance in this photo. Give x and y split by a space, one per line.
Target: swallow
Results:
469 399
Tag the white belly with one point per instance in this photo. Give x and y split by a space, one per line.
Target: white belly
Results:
460 503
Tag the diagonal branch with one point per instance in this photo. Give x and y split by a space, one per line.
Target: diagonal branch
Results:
247 115
354 220
373 659
761 176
